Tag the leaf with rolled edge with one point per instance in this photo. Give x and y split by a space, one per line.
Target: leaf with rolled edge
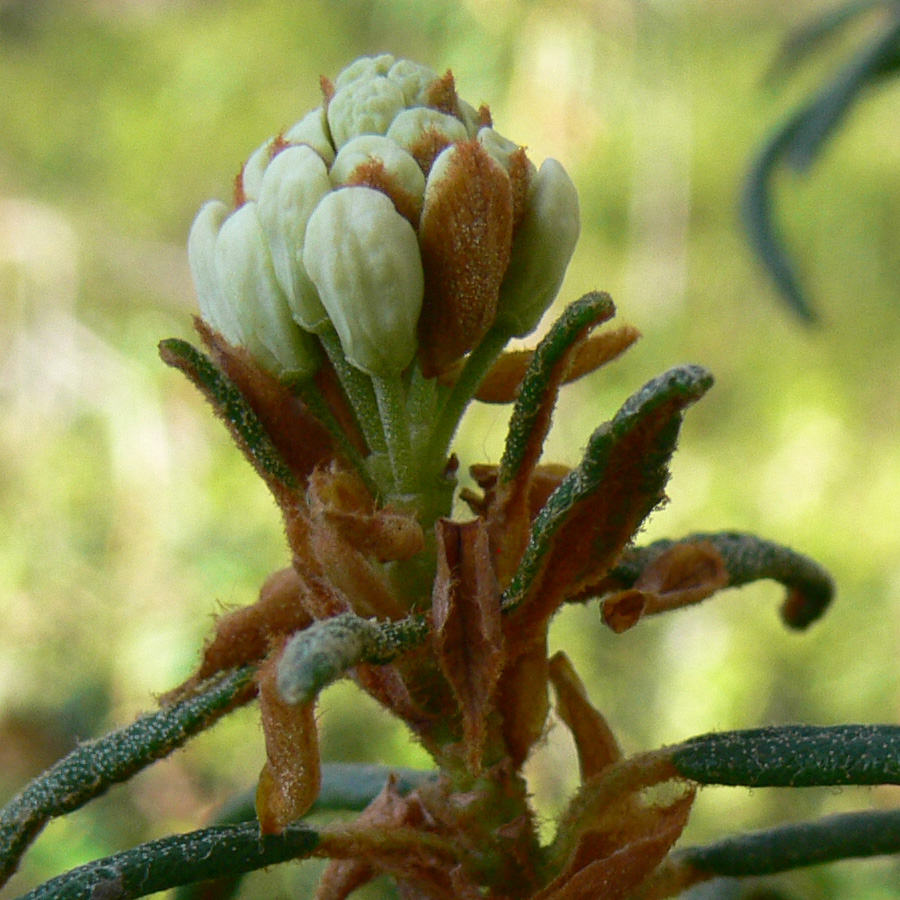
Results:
792 756
683 575
747 558
92 767
468 639
232 406
599 506
509 517
292 774
179 859
328 649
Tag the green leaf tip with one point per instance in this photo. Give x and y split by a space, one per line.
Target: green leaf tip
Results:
230 404
324 652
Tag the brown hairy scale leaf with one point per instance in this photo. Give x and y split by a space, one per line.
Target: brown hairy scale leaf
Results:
291 777
427 148
465 237
681 576
441 95
467 635
343 876
522 698
245 635
520 181
373 174
340 498
594 741
544 481
626 867
301 440
501 384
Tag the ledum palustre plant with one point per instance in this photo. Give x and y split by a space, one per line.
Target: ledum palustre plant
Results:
356 297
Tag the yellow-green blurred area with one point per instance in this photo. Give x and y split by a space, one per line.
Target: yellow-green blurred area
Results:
127 520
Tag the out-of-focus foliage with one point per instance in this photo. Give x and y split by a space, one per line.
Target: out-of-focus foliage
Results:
127 518
799 141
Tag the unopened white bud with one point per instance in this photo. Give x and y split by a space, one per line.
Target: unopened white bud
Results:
247 279
364 106
398 164
542 249
294 183
312 130
363 257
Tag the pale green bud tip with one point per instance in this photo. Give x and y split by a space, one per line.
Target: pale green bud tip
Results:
214 306
363 257
542 249
249 308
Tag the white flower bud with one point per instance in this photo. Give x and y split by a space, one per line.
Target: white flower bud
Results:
542 249
470 116
397 163
500 148
254 168
364 106
365 67
363 257
247 278
294 183
312 130
413 79
409 126
211 298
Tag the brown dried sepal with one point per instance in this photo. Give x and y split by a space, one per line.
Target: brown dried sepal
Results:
291 777
595 743
467 631
465 237
522 698
545 480
427 148
681 576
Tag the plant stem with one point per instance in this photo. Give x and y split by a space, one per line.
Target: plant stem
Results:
359 391
391 397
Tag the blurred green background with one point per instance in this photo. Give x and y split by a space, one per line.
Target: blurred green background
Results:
127 520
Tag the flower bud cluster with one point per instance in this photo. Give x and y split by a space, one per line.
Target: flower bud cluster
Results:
393 215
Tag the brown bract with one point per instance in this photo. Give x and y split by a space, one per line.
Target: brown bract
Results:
465 237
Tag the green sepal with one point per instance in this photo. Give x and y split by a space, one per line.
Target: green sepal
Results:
232 407
747 558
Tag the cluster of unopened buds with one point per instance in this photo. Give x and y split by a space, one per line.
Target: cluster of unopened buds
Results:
380 255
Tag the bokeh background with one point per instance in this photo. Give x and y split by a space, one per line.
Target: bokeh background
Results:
127 520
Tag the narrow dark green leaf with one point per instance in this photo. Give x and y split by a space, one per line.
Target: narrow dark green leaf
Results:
221 850
793 756
231 405
540 386
651 419
757 215
325 651
747 558
834 100
94 766
847 836
346 787
813 35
